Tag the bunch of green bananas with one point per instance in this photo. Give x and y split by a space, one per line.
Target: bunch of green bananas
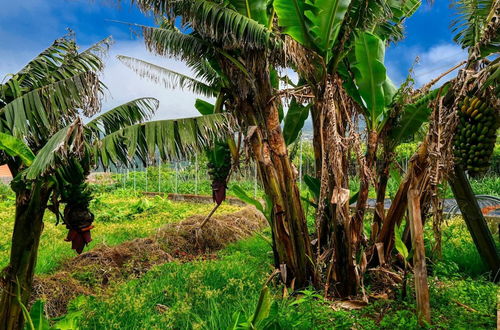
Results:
219 162
475 135
219 166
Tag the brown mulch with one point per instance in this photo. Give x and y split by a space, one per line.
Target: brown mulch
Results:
94 271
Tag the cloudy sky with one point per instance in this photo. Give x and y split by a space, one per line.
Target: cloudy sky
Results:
29 26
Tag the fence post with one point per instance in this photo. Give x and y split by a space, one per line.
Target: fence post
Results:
135 174
196 174
146 177
176 177
159 173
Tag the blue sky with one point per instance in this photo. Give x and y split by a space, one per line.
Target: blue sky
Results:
29 26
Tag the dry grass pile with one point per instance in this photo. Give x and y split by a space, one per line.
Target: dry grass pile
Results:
186 237
104 264
93 271
57 291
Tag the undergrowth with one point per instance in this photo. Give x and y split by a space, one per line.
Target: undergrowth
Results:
216 294
213 294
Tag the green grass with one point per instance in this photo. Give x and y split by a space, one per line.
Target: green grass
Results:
120 216
201 294
208 295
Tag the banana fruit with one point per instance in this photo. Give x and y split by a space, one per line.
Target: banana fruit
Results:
476 135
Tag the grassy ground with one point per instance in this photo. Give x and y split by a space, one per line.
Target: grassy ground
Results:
120 216
216 294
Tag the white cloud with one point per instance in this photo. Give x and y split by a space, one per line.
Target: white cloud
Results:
433 61
436 61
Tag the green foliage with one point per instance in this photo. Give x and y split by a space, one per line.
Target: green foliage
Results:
291 17
260 316
313 184
35 111
204 107
370 76
472 17
254 9
16 148
325 18
263 307
173 139
130 113
413 116
224 293
203 294
294 120
314 24
37 319
65 142
120 215
488 185
459 252
265 209
71 320
399 244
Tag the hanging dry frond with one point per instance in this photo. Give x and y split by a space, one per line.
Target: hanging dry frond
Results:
40 112
166 77
67 142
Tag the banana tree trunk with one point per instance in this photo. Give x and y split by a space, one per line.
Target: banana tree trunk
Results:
291 239
419 264
315 116
478 228
364 187
383 179
17 277
335 230
324 228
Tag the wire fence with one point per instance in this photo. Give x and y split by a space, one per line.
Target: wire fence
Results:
190 176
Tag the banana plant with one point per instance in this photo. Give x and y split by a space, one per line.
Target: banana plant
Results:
344 38
35 103
40 107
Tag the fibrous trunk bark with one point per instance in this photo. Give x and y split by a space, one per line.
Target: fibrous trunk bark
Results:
335 231
383 180
17 277
478 228
289 227
257 110
419 265
323 216
399 205
364 186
